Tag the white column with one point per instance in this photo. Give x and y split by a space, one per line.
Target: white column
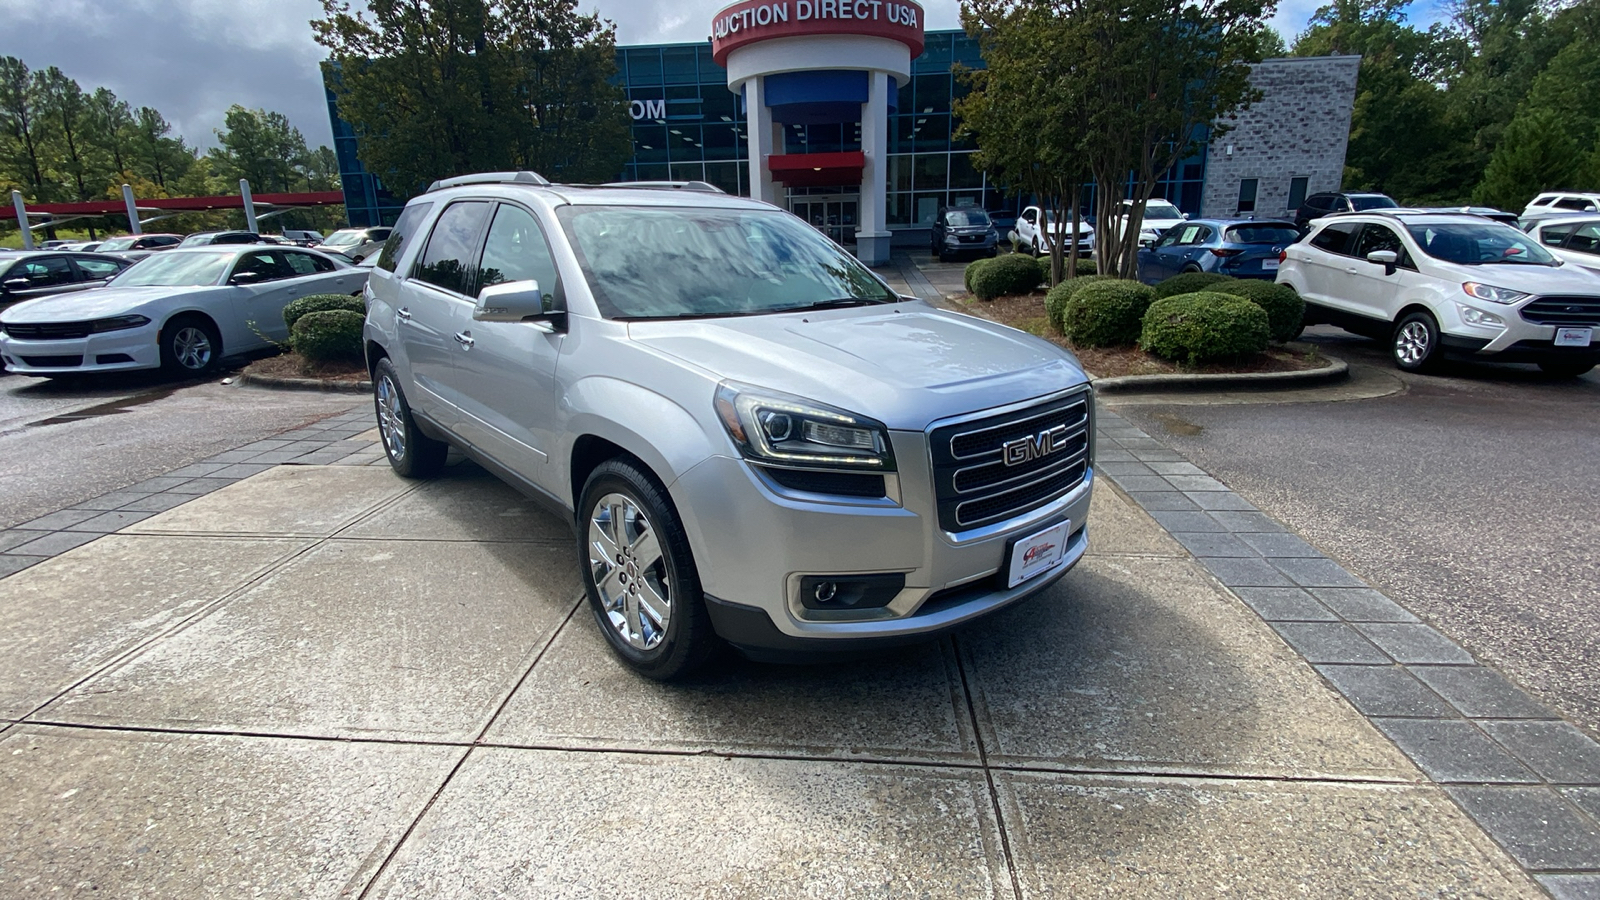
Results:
249 205
133 210
758 122
872 240
22 219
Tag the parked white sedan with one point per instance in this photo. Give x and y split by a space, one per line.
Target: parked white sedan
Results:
181 310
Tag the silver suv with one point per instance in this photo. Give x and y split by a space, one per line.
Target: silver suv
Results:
754 438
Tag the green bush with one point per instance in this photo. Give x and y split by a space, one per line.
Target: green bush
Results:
1200 327
1087 267
321 303
1060 297
329 335
1188 283
1107 313
972 269
1285 310
1014 273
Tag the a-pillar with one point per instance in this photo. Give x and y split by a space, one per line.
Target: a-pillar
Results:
872 240
762 139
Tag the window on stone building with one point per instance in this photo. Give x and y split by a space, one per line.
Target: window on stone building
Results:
1247 195
1297 192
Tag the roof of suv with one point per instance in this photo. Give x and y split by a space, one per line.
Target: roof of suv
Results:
1408 215
619 193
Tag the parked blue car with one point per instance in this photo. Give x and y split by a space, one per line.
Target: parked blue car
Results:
1238 248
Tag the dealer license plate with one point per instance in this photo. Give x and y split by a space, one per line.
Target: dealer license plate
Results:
1269 265
1574 337
1037 553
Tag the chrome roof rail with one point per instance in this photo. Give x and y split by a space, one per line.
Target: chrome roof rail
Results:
523 177
701 186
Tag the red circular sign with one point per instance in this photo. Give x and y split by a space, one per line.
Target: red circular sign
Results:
753 21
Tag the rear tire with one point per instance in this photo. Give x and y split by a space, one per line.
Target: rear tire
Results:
639 573
1415 342
1566 369
411 453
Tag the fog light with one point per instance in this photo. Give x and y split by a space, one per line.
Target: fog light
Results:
850 591
1474 316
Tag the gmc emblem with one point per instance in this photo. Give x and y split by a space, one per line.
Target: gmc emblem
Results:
1027 449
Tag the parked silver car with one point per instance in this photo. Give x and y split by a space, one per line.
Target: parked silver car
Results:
753 436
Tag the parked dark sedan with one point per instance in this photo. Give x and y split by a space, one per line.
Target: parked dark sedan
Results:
41 273
1238 248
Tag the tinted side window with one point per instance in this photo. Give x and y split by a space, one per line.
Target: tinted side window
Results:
268 264
96 269
302 263
1577 203
1553 235
1335 238
1379 237
452 248
516 251
44 271
378 234
389 257
1586 240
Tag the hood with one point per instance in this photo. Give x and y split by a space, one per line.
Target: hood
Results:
906 365
96 304
1567 278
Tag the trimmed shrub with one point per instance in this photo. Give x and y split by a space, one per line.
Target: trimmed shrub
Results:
1014 273
972 269
1188 283
1087 267
1060 297
1200 327
1285 309
329 335
1107 313
321 303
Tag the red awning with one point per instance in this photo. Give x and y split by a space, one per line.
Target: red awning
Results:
817 169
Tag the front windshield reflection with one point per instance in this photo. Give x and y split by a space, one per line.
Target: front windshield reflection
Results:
174 269
1474 244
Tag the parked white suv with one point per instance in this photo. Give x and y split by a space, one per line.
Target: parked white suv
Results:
1037 229
1436 284
751 434
1561 203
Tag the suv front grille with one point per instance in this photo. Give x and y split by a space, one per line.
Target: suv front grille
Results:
1566 311
973 483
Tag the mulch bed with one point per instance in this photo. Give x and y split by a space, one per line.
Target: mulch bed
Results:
1026 312
293 365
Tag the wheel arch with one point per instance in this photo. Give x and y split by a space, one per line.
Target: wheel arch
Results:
1416 307
192 313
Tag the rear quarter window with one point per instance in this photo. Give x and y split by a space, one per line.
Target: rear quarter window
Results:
400 236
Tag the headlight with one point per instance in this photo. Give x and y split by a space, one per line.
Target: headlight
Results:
785 430
117 323
1493 294
1478 317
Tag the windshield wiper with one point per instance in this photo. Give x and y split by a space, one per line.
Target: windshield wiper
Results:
839 303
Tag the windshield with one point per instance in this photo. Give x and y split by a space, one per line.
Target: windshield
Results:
117 243
1480 244
1264 233
199 240
175 270
1372 201
1160 209
345 237
964 218
648 263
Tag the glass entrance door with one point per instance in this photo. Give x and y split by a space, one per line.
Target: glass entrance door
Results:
832 214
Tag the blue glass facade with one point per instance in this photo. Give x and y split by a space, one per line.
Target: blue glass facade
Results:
688 126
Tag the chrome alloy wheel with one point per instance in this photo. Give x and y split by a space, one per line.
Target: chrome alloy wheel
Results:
1412 343
191 347
390 424
629 571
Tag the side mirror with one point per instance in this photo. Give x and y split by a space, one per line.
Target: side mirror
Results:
517 301
244 277
1386 258
17 284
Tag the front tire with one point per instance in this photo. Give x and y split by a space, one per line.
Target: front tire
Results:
1415 343
1566 369
190 346
639 573
411 453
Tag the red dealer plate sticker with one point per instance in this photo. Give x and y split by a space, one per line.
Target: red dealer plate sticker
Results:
1036 554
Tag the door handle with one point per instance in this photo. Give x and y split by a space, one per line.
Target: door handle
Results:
464 338
403 314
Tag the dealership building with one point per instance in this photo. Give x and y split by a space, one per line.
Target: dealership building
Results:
840 111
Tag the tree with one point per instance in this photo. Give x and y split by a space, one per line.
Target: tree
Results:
154 154
22 123
260 146
110 127
1535 154
441 87
63 102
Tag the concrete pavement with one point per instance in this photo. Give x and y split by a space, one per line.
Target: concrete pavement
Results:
314 678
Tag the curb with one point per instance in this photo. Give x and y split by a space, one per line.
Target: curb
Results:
282 383
1337 370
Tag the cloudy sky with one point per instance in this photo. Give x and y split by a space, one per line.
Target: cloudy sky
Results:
192 59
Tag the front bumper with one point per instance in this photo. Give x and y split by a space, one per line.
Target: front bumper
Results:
111 351
754 540
1518 341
